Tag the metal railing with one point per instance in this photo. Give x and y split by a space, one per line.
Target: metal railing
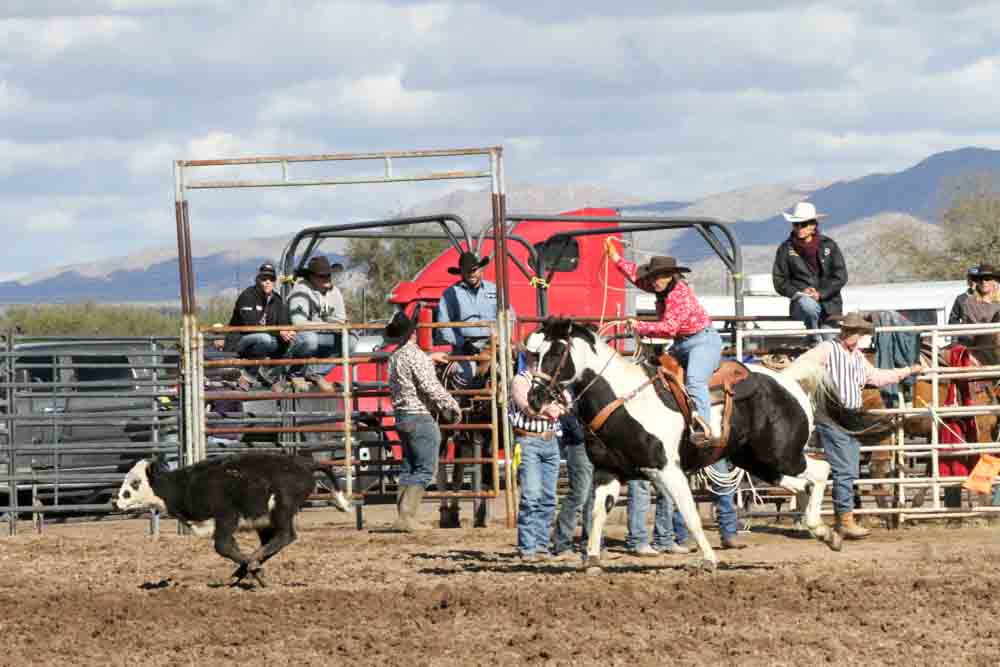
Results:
906 451
77 412
350 428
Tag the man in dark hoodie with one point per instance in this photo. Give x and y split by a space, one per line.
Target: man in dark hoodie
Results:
810 271
259 305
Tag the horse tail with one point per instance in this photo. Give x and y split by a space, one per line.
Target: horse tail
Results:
809 375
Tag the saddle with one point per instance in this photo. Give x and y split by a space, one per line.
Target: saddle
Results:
668 380
721 386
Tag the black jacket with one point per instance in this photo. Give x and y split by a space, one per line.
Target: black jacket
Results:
791 274
250 308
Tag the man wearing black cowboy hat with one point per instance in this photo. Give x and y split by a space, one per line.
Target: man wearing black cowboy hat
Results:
982 304
848 372
470 299
415 390
258 305
809 270
314 299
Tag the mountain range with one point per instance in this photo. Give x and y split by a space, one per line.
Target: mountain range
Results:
858 210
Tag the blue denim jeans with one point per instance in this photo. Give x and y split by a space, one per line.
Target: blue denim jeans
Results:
580 499
665 534
844 456
257 345
537 475
667 522
700 356
809 311
312 344
420 439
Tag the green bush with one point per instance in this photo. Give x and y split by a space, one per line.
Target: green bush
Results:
95 319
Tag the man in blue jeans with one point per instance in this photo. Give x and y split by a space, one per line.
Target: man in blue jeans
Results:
580 500
415 389
669 532
538 471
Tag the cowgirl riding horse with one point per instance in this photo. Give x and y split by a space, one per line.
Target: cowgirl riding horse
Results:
697 346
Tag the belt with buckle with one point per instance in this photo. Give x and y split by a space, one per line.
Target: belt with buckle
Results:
541 435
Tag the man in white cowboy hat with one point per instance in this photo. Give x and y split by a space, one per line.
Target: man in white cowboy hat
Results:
809 270
470 299
848 372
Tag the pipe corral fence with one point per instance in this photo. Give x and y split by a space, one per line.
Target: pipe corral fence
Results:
354 441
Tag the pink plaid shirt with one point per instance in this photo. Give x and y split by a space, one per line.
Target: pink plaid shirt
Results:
679 313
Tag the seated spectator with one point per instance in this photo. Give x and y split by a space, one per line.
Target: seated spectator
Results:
314 299
809 270
955 317
980 306
259 305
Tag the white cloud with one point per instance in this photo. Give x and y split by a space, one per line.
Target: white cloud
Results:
42 38
664 100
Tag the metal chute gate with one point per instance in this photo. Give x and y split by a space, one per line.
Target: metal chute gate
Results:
345 425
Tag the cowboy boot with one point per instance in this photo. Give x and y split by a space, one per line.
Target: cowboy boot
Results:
848 528
409 505
450 516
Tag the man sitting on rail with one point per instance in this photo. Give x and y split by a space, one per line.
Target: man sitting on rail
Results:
809 269
315 299
259 305
470 299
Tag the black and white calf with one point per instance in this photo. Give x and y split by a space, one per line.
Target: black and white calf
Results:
221 495
643 438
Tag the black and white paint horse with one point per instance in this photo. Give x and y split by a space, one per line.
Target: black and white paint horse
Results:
771 422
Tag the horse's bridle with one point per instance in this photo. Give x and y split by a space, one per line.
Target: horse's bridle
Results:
553 386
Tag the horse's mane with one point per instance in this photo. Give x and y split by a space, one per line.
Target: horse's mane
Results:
556 328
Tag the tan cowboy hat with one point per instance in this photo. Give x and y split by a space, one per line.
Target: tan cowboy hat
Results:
658 266
803 212
856 322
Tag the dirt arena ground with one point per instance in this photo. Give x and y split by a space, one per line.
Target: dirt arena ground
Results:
106 593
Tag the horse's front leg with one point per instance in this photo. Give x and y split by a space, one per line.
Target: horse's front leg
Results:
605 496
671 479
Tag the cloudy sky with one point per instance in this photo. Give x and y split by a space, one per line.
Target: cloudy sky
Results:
654 98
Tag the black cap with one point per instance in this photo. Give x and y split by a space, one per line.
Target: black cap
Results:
266 270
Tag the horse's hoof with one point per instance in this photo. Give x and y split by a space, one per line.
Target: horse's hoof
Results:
592 565
703 565
593 570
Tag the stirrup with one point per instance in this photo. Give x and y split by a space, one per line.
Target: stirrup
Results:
701 433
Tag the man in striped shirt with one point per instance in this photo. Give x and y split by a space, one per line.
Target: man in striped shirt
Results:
538 472
848 371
